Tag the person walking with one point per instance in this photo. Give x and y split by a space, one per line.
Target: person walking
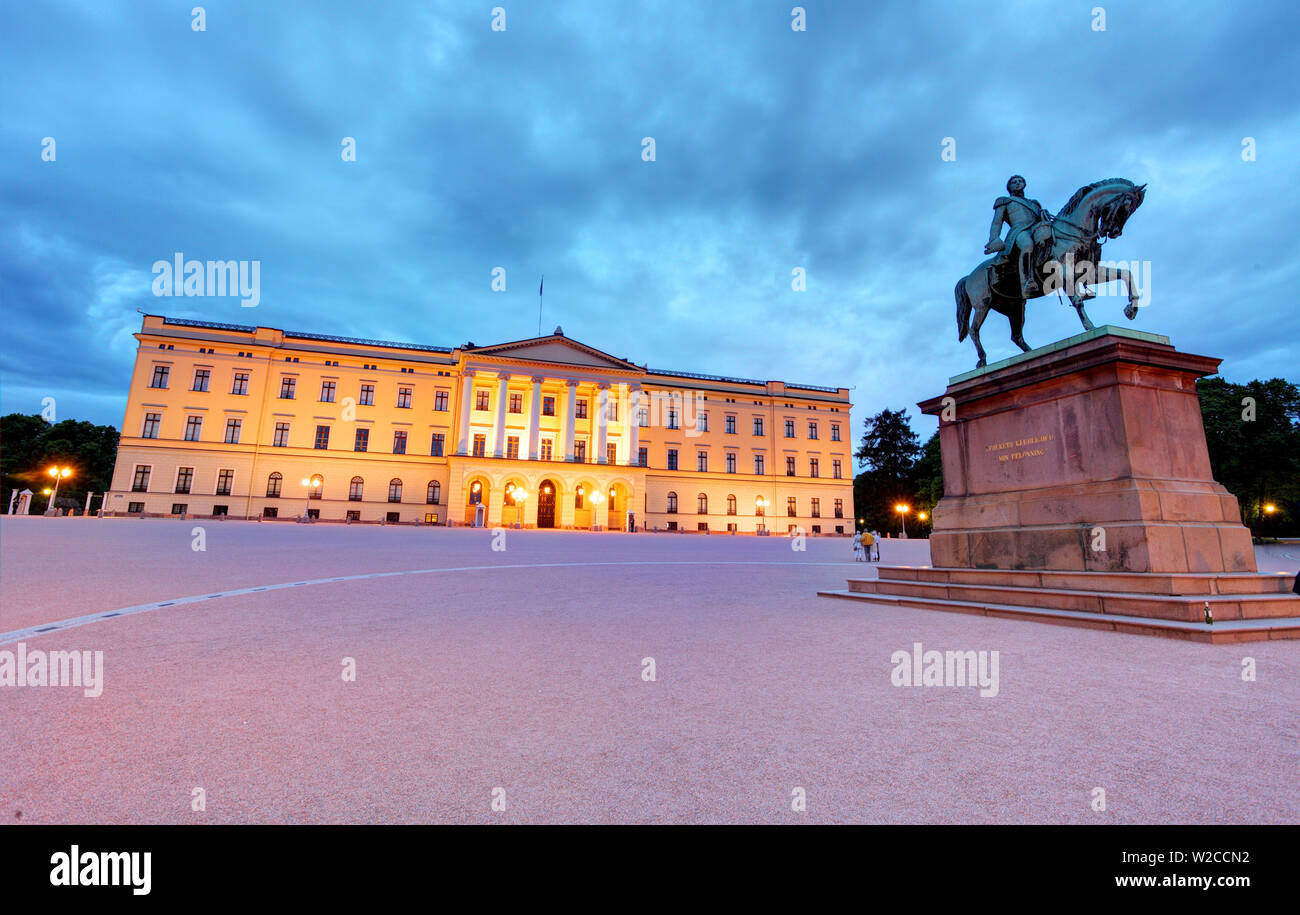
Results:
857 546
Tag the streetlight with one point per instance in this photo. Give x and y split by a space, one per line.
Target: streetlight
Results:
921 516
597 498
520 495
59 474
309 484
1270 508
902 516
760 506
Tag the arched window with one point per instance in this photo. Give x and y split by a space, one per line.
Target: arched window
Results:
394 490
273 483
355 488
612 498
317 485
672 503
731 505
434 494
510 494
577 498
702 504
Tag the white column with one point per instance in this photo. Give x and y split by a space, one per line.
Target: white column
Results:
535 421
633 422
499 426
571 423
466 401
602 425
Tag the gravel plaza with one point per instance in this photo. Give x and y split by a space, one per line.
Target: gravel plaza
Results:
523 674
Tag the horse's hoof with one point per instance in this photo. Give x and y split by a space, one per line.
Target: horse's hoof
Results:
981 364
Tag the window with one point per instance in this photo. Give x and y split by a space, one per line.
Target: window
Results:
356 488
273 486
672 503
184 479
789 428
580 411
672 419
150 427
702 504
546 449
281 438
322 438
703 527
577 498
233 427
672 525
791 506
702 461
440 401
835 432
239 384
548 406
140 482
135 507
516 403
839 508
316 486
814 467
482 400
433 495
812 430
201 378
367 398
758 464
580 452
731 425
836 470
438 444
404 398
789 467
731 505
270 511
353 515
288 384
225 479
611 454
816 508
361 442
399 442
512 447
731 462
758 425
160 374
643 417
180 508
760 507
393 517
672 458
327 389
642 457
193 428
611 410
702 423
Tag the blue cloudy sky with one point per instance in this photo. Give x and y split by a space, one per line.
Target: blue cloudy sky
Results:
521 149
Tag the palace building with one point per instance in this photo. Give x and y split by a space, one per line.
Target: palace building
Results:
243 421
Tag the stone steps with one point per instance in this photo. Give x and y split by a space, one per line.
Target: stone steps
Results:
1190 583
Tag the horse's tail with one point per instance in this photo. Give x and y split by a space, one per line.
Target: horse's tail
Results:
963 310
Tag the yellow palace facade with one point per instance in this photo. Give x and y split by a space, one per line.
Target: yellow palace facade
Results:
252 422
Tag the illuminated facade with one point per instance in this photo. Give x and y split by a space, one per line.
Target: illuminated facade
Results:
546 432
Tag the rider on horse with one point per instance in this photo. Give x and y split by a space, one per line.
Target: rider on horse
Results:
1031 228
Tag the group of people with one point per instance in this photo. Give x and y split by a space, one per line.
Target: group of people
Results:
866 546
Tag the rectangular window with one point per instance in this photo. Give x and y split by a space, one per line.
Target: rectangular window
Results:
611 454
353 515
140 482
789 428
791 506
580 411
702 461
322 438
193 428
816 508
135 507
836 470
546 449
184 479
218 510
839 508
672 458
611 410
580 452
233 427
642 457
731 425
731 462
482 400
643 417
273 483
440 401
361 442
281 438
548 406
758 425
239 384
394 490
367 398
516 403
270 511
814 467
702 422
225 479
393 517
180 508
480 445
160 374
150 428
288 385
404 398
758 464
438 444
835 432
512 447
399 442
672 419
789 467
327 389
812 430
201 378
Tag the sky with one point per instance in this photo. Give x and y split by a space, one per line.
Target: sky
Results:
775 150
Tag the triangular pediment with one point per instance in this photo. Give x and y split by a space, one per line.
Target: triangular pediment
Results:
557 349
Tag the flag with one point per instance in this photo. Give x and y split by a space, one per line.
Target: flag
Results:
540 285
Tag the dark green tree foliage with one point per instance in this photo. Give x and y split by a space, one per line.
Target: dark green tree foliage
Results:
29 446
898 469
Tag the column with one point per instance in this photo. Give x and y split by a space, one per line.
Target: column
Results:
602 424
571 423
499 426
633 424
535 425
466 401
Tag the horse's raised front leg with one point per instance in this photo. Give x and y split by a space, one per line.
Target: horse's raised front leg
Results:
981 311
1106 274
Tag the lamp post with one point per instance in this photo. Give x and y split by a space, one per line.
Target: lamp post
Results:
760 505
309 484
521 495
902 516
59 474
597 498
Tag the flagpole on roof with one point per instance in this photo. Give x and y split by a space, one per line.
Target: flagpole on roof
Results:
539 304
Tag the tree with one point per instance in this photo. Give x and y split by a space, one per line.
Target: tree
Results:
31 446
889 450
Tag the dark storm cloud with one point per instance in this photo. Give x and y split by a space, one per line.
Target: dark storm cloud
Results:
522 149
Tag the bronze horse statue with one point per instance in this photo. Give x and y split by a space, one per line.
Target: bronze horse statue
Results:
1095 213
